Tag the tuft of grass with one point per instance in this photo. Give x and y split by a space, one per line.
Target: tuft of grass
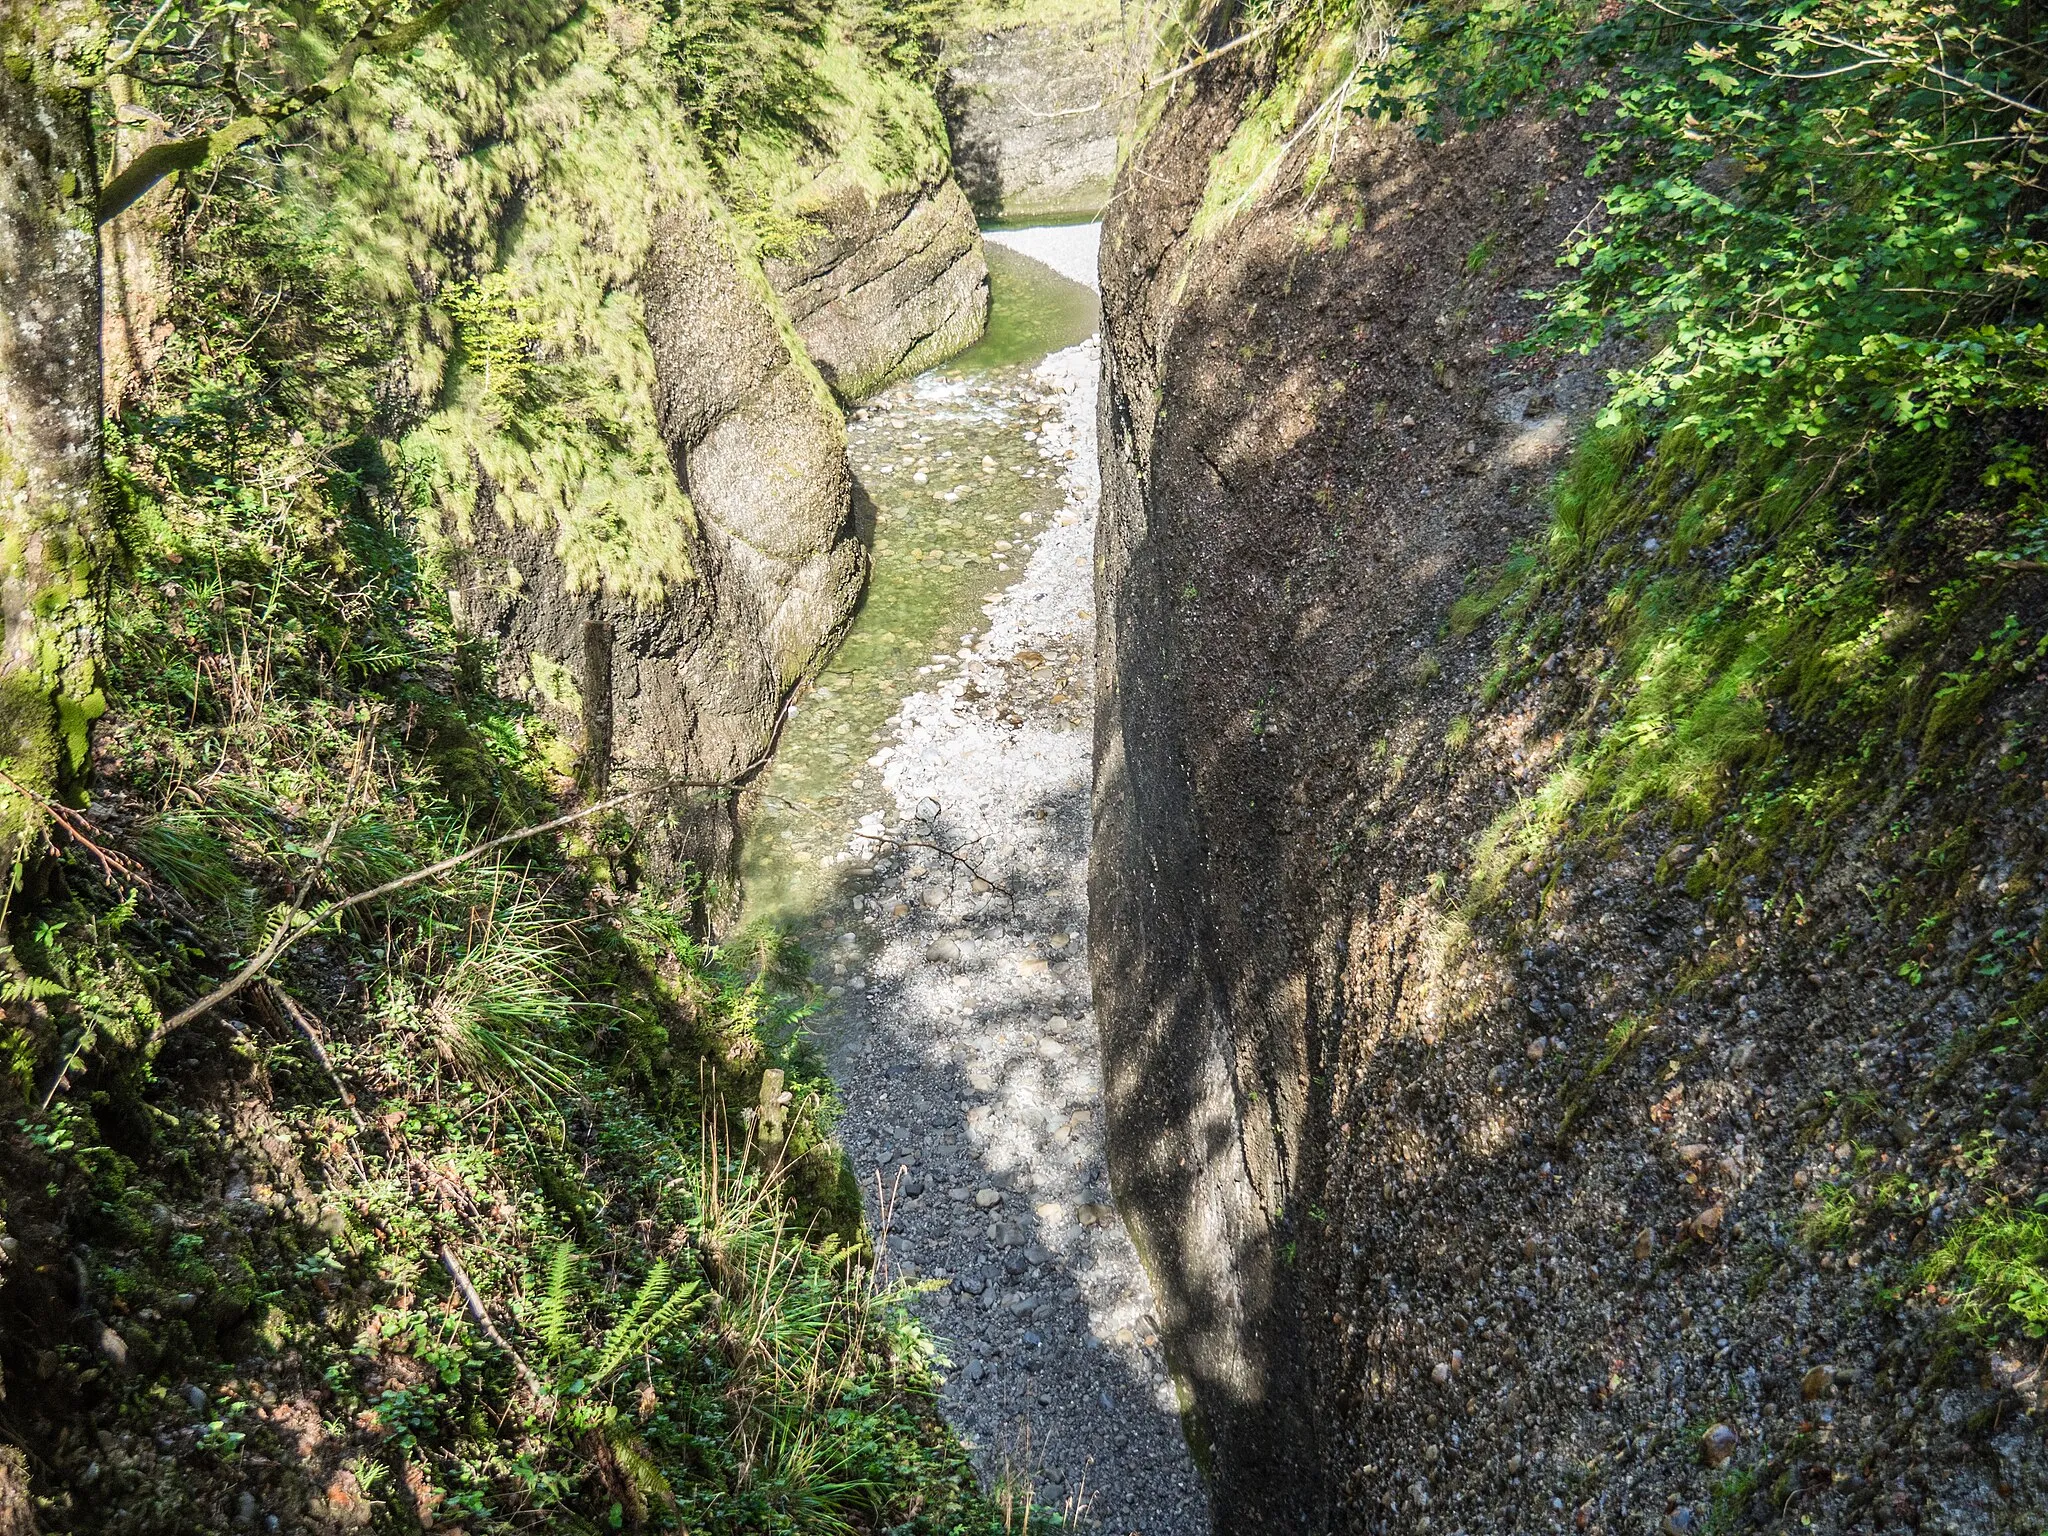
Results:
181 847
1476 607
1835 1219
1728 1500
1625 1035
1993 1272
500 1003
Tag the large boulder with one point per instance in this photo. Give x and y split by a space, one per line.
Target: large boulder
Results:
683 687
895 284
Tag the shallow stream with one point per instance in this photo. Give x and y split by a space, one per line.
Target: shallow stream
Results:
925 829
951 476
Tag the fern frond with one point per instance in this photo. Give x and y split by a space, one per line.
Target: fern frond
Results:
654 1308
553 1317
20 989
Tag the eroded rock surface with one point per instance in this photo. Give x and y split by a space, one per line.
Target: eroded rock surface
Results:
688 686
895 285
1484 1193
1033 110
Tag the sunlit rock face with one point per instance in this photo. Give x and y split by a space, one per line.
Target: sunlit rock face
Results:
1033 107
893 285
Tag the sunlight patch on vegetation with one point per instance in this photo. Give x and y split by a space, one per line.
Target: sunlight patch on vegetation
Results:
1993 1271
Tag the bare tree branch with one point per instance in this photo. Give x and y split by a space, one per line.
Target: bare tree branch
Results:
297 924
257 119
474 1304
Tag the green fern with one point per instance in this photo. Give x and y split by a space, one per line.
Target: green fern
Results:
653 1310
21 989
553 1317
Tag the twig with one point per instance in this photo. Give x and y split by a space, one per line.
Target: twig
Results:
256 120
112 861
1210 56
943 852
929 825
475 1306
293 929
303 1023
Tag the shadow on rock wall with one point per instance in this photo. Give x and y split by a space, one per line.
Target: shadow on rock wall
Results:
1475 1187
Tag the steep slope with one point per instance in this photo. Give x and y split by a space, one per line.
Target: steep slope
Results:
638 468
386 1145
1566 981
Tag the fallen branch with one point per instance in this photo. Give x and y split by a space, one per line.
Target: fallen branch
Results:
303 1023
475 1306
112 861
255 120
297 924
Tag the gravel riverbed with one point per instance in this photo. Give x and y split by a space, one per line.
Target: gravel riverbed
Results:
962 1040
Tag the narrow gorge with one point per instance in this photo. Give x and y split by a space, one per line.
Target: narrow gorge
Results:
958 766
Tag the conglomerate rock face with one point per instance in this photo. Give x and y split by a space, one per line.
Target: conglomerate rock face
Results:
896 284
1033 108
1478 1204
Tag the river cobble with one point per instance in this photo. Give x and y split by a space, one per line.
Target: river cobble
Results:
961 1037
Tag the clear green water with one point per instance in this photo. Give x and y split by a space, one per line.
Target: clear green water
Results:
1032 312
941 549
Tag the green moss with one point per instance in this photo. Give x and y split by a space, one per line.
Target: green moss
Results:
516 268
1306 104
1476 607
1734 590
555 684
51 696
879 132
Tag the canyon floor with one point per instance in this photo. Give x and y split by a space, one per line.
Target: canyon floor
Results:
958 1023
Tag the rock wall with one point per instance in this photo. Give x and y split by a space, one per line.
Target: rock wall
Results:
1474 1206
1033 110
687 690
896 284
639 466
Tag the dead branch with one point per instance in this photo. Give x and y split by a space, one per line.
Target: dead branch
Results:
297 923
113 863
475 1306
302 1021
928 825
255 120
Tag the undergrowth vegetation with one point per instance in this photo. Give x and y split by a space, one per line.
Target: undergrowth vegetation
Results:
519 1073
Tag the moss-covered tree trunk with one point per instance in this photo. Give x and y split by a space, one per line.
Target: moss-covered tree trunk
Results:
53 535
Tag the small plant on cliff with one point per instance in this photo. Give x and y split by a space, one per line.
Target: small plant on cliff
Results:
1994 1271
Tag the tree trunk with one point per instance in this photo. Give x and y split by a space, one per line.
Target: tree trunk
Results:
53 531
132 258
